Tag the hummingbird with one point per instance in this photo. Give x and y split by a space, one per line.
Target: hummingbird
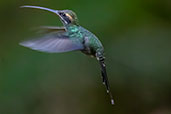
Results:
70 37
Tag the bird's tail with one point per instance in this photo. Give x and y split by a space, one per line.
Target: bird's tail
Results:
104 77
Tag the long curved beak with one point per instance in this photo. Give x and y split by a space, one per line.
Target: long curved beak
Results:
42 8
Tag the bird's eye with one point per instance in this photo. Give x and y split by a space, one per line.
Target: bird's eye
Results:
62 14
65 17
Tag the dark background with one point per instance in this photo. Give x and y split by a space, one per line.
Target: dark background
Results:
136 35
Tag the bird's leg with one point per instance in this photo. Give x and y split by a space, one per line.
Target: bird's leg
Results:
104 76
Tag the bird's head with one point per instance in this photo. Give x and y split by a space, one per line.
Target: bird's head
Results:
67 17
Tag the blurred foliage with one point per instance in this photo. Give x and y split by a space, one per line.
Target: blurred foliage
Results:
136 36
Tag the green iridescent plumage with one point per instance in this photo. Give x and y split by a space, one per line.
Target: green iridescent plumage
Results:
70 37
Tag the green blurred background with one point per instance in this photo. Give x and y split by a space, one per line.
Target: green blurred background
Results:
136 35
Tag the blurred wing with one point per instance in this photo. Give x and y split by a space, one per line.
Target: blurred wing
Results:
48 29
53 43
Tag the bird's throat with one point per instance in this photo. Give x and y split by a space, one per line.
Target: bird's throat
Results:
72 28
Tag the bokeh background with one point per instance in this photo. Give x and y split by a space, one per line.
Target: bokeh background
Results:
136 35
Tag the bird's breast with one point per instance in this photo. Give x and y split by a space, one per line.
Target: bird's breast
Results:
88 50
90 42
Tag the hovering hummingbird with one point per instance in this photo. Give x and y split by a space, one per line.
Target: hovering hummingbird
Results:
70 37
